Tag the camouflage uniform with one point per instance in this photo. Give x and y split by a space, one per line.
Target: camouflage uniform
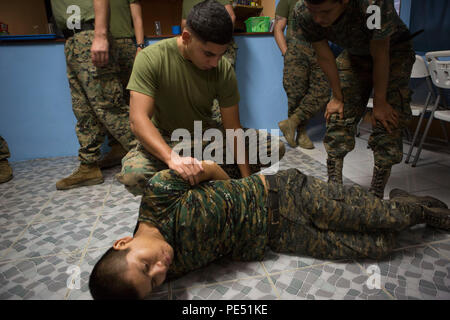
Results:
138 166
97 98
126 50
355 67
328 221
4 151
232 218
305 83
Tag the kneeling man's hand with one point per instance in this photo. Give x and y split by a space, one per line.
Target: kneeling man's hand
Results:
189 168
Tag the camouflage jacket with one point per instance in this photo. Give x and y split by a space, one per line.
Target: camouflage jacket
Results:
208 221
350 31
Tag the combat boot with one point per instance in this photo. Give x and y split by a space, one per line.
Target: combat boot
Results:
289 128
405 197
113 157
303 140
379 181
334 167
85 175
437 218
6 173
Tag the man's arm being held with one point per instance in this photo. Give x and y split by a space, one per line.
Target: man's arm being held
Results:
230 119
141 112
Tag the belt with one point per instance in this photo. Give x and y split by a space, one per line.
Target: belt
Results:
272 201
85 26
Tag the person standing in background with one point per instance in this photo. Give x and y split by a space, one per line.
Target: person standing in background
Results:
97 94
305 83
127 29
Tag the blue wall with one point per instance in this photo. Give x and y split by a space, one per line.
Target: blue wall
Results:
36 117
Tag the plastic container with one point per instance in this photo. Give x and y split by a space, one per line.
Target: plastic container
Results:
257 24
176 30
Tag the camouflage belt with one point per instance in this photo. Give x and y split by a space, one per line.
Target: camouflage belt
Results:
272 205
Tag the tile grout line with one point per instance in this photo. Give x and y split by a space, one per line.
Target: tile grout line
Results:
439 252
270 281
28 225
85 249
204 285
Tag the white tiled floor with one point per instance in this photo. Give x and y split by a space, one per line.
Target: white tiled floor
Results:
46 234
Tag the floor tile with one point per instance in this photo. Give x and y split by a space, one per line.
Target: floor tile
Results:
219 271
36 279
276 262
121 198
419 273
111 227
53 237
8 235
247 289
330 281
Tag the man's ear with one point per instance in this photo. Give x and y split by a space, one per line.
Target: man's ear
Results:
121 244
186 36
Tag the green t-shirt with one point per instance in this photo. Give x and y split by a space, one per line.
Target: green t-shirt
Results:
350 31
182 92
207 221
59 9
285 9
189 4
121 24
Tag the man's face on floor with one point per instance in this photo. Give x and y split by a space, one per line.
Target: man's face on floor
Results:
148 263
205 55
326 13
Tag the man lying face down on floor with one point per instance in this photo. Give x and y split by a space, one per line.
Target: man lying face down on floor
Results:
182 227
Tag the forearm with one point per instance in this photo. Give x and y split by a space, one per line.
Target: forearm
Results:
212 171
101 9
280 40
381 60
149 136
327 62
136 13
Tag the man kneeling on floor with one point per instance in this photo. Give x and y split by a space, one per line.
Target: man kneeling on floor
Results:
182 227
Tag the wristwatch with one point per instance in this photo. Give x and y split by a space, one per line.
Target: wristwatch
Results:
140 45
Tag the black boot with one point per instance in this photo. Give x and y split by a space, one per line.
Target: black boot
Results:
379 181
428 201
334 167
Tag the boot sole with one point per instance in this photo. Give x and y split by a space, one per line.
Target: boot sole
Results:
7 179
83 184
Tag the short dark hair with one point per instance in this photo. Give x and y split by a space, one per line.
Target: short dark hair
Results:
107 281
211 22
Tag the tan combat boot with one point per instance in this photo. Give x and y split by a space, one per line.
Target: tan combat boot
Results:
289 128
85 175
405 197
113 157
6 173
303 140
379 181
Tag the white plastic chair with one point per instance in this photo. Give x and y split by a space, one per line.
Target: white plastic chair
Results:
419 71
440 75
